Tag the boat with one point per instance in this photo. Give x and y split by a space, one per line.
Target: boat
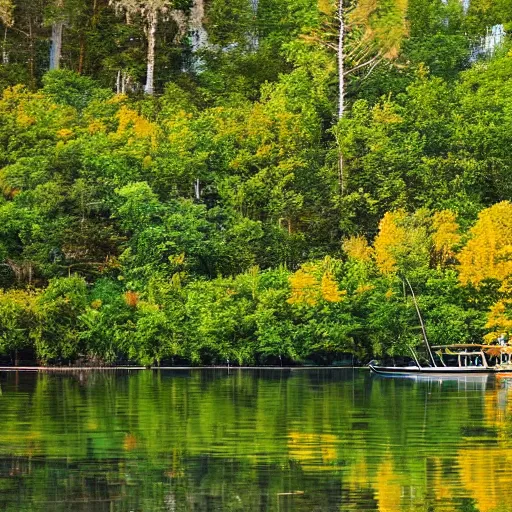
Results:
455 360
460 359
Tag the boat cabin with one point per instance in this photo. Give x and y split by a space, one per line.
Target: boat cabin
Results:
464 355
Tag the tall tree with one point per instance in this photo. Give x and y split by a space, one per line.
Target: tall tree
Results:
58 20
6 17
368 32
150 12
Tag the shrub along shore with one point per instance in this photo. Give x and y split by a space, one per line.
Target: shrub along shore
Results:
324 312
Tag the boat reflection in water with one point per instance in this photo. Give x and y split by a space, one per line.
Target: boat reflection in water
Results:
460 381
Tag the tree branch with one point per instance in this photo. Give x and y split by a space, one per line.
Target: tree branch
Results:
376 59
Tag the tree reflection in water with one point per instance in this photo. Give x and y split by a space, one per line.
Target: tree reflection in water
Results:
262 440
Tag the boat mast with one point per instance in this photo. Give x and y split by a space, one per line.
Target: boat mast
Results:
423 330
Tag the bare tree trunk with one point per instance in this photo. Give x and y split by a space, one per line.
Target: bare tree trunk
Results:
341 63
5 53
32 57
152 24
341 92
81 58
198 34
56 46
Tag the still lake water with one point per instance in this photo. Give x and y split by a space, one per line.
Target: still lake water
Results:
253 440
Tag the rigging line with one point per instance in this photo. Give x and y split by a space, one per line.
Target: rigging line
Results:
425 339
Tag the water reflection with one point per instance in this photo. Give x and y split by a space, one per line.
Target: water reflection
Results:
263 440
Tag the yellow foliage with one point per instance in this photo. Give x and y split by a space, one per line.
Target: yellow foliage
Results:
329 288
24 120
363 288
327 7
391 236
181 136
314 282
499 320
445 236
178 259
357 248
130 120
65 133
96 304
386 114
118 98
488 252
389 294
304 288
146 163
382 28
96 127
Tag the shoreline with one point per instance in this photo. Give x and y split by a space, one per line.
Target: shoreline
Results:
140 368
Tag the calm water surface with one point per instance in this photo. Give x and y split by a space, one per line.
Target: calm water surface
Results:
253 440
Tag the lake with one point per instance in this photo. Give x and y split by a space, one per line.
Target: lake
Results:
253 440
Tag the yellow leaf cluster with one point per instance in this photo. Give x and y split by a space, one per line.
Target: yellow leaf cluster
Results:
445 236
357 248
96 304
130 120
386 114
24 120
304 287
499 320
363 288
329 288
488 252
391 236
96 127
389 294
64 133
312 283
327 7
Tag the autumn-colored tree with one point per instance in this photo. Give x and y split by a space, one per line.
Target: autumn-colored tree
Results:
314 282
488 252
391 235
357 248
304 286
499 320
445 236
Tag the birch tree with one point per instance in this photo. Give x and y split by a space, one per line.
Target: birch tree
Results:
150 11
7 19
363 34
58 20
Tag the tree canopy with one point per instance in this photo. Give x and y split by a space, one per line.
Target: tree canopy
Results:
165 198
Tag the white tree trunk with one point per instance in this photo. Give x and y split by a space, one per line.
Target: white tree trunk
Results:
341 61
254 41
5 53
56 46
341 92
152 25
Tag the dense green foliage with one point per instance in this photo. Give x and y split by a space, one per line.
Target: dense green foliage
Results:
211 221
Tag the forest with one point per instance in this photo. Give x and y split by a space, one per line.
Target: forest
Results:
252 182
